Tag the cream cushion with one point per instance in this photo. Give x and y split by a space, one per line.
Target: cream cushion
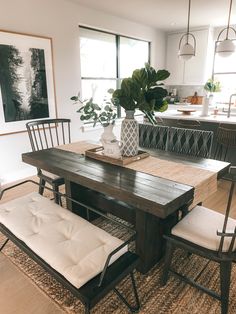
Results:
70 244
200 225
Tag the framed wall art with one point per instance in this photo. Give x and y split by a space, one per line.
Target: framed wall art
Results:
26 81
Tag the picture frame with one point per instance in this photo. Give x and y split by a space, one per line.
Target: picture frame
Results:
27 90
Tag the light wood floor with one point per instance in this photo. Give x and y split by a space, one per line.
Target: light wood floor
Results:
18 295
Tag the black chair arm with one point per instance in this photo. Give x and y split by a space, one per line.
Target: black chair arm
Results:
103 273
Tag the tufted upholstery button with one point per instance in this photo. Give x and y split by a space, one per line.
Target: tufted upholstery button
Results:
71 245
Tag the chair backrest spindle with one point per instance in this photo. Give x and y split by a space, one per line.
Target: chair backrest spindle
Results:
224 232
48 133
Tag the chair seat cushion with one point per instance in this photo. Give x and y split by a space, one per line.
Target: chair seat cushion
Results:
200 226
68 243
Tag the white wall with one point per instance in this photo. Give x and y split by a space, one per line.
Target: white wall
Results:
59 19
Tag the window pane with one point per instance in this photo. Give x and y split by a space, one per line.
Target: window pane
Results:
228 87
97 89
97 54
133 55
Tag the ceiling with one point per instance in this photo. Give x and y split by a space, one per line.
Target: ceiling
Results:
167 14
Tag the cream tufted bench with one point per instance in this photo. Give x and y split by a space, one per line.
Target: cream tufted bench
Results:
72 249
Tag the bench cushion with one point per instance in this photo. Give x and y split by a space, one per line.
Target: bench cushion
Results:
68 243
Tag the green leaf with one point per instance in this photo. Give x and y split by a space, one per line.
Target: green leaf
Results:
107 108
74 98
162 75
140 77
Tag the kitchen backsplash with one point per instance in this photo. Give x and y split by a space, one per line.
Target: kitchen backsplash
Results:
183 91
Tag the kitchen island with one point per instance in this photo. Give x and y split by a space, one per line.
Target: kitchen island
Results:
210 123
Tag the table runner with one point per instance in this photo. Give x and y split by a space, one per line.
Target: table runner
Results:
203 181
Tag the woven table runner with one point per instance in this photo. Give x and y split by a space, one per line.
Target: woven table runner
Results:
203 181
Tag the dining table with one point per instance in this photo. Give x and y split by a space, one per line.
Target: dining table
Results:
147 193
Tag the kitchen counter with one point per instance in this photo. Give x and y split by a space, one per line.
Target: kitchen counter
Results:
221 117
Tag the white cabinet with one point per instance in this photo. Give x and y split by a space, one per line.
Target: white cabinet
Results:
196 70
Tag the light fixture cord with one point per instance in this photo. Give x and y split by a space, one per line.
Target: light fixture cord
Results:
230 8
189 5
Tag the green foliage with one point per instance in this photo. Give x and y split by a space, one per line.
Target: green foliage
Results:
141 91
212 86
93 112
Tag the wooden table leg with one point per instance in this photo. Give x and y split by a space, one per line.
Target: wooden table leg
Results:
150 245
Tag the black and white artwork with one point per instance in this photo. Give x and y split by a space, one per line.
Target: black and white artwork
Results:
26 81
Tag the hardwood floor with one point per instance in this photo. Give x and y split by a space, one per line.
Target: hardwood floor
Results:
28 299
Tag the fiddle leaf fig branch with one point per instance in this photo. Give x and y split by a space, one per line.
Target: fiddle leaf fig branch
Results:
142 91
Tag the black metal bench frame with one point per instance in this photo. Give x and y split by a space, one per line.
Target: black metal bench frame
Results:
95 289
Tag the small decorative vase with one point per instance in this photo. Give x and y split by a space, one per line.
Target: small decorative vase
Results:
129 135
205 107
108 136
108 139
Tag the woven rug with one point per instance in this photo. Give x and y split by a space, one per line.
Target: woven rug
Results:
175 298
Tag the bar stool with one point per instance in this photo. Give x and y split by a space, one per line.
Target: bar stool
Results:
191 124
226 138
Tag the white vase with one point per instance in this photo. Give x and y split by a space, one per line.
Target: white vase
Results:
205 107
107 136
129 135
108 140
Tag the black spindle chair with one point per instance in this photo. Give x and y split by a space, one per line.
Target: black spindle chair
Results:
198 233
45 134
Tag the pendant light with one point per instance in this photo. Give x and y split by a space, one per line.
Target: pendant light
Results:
226 47
187 50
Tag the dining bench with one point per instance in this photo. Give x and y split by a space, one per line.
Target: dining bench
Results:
84 258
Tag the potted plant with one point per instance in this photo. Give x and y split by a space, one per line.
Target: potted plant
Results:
141 91
104 115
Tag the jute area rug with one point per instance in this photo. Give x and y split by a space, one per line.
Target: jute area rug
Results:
175 298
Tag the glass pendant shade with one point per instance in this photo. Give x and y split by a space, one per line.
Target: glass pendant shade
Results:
225 48
186 52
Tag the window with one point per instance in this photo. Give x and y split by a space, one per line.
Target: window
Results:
225 72
107 58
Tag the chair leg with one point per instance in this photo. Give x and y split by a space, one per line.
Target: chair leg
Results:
167 262
1 248
133 309
225 274
42 183
56 196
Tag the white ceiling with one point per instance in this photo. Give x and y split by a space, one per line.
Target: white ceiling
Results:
166 14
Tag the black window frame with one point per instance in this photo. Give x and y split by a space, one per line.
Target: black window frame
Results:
118 79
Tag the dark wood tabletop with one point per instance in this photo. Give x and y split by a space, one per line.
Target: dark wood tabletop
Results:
152 194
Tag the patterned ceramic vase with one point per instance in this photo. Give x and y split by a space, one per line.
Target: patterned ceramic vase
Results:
129 135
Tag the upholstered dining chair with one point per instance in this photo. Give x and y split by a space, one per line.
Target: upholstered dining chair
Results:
45 134
190 142
153 136
211 235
